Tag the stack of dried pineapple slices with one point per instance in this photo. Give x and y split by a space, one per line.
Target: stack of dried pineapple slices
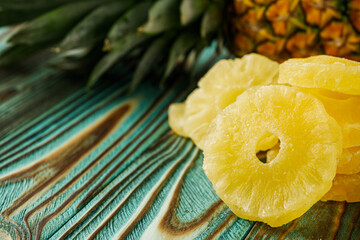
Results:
303 115
336 83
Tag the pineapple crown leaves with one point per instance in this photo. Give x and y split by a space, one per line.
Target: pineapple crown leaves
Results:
98 34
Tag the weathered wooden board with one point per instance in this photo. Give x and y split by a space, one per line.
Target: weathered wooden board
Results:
105 165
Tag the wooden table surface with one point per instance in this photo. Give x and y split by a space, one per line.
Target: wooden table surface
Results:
105 165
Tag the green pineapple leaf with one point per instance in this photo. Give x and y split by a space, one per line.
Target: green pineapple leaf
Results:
18 11
211 20
17 53
10 17
119 49
131 20
153 55
32 4
93 28
103 33
53 25
163 15
191 9
178 51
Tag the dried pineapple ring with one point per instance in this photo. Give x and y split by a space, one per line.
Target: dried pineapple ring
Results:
199 112
349 162
345 109
219 88
345 188
333 73
176 118
285 188
243 72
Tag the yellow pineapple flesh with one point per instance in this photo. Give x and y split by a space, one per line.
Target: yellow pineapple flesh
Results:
217 89
345 188
200 110
266 142
349 162
302 172
176 118
345 109
272 152
332 73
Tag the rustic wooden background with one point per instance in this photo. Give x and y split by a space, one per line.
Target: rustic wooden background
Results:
105 165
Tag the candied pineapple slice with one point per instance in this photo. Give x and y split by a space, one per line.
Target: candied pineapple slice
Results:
248 71
349 162
220 87
345 188
176 118
300 174
199 112
345 109
333 73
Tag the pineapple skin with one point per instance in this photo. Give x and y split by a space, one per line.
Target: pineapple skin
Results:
282 29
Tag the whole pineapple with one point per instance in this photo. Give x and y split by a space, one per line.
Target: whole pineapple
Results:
296 28
101 33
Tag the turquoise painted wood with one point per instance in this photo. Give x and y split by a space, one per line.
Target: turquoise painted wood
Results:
105 165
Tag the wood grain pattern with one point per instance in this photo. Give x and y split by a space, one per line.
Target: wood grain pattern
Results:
105 165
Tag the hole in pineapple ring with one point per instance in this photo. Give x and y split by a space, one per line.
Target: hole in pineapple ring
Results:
268 147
